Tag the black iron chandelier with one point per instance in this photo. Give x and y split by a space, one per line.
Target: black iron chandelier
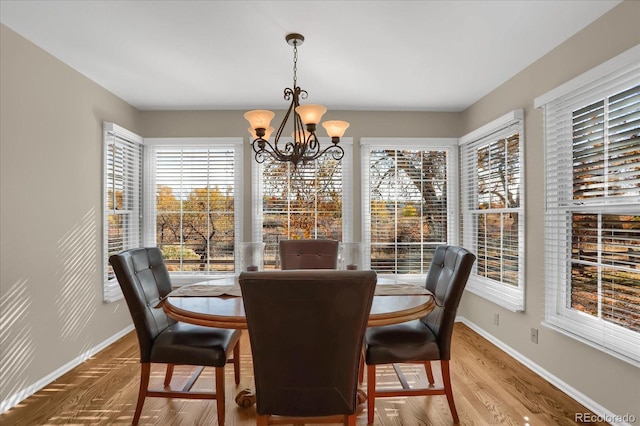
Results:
304 145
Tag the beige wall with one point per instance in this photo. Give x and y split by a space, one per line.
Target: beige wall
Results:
50 214
50 249
612 383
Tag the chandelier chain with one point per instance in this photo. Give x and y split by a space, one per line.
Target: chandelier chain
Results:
295 64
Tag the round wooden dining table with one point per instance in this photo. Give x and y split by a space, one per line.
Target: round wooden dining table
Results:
228 311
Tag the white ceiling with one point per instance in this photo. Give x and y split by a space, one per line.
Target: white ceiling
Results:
358 55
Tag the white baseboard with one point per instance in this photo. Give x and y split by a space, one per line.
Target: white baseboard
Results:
23 394
589 403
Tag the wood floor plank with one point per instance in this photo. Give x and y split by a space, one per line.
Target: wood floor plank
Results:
490 388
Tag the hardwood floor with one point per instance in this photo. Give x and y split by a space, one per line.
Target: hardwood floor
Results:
490 388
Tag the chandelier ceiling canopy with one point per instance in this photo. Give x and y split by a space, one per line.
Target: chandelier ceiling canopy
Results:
304 145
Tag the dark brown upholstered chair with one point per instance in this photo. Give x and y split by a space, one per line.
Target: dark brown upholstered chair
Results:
308 254
144 280
423 340
306 330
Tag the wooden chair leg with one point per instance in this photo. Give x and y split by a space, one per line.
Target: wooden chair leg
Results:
427 367
220 396
371 393
262 420
169 375
446 378
145 371
236 363
351 420
361 368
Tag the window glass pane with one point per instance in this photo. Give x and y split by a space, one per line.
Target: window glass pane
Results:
123 199
588 151
584 237
621 297
621 240
490 238
584 288
408 205
624 143
499 174
512 185
115 239
605 255
494 163
303 202
510 248
195 218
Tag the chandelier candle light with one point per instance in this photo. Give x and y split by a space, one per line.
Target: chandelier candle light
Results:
305 145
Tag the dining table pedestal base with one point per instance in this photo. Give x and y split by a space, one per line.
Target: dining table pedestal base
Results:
246 398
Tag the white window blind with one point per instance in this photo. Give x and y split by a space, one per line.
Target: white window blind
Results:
408 202
592 216
193 192
122 199
492 177
309 201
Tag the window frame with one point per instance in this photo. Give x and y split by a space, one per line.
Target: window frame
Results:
450 145
503 294
152 145
111 291
599 83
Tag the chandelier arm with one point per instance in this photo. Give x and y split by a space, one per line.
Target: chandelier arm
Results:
299 135
309 148
289 94
282 125
261 147
259 157
313 144
336 151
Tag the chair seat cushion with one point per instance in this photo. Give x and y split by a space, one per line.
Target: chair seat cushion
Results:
408 341
189 344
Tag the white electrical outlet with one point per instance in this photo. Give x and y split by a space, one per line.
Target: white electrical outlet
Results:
496 318
534 335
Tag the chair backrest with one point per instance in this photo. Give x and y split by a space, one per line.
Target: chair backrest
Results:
144 280
308 254
447 278
306 330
